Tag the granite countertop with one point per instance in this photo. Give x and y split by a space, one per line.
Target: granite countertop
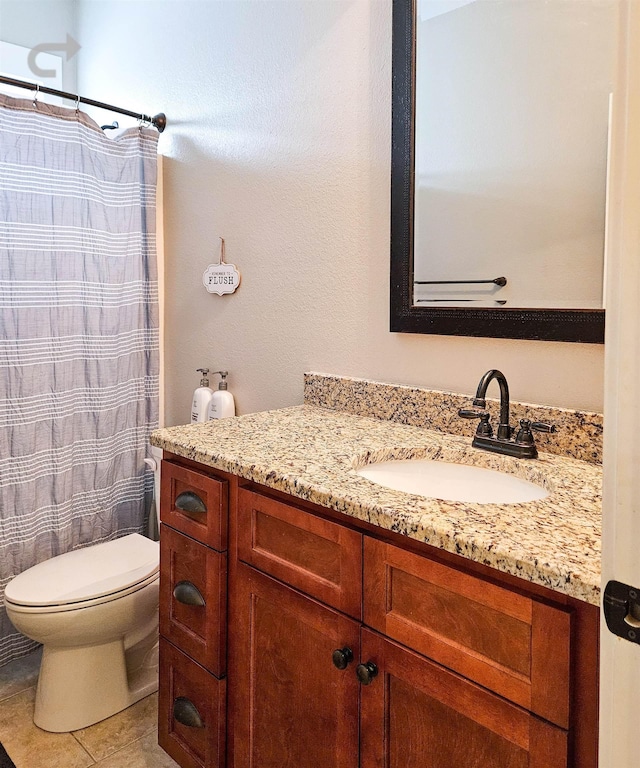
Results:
313 453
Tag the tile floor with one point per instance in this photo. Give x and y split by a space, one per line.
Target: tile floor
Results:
126 740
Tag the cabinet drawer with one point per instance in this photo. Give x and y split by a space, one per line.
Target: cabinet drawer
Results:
193 590
191 711
318 557
506 642
195 504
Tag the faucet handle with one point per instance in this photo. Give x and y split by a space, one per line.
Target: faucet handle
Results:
525 436
484 428
540 426
467 413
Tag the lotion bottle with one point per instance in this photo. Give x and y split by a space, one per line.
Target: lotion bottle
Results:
222 403
201 398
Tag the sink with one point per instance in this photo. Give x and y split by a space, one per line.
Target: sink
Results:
452 482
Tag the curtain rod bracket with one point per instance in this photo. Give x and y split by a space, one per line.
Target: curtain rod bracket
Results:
160 121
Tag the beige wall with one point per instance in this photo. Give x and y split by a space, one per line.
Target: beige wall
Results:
279 141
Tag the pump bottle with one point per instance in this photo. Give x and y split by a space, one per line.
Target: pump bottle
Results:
201 398
222 404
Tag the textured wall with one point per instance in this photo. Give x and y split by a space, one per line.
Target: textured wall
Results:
279 140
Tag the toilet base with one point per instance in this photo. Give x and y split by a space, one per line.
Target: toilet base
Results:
78 687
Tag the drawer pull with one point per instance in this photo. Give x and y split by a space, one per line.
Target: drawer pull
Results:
366 672
188 594
185 712
342 657
188 501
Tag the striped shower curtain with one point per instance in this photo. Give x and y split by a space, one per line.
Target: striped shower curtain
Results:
78 335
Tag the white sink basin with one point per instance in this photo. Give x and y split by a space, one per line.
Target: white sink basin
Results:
452 482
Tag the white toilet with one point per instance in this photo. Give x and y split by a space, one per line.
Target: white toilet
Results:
95 610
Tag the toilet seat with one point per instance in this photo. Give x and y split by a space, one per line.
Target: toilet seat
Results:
95 574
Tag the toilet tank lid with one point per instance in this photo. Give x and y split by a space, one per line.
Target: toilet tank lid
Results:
91 572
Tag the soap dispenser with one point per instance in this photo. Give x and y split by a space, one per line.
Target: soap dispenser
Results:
222 403
201 398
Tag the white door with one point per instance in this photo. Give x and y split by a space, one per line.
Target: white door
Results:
620 658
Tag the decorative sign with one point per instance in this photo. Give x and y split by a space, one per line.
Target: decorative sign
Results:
221 278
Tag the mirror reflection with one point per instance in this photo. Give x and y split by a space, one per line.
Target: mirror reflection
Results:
511 133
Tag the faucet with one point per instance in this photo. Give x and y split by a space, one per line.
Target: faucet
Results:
504 429
523 445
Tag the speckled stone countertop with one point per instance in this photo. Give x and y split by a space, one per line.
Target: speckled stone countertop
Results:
313 453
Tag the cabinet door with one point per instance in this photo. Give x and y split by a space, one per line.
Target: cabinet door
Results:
417 714
290 706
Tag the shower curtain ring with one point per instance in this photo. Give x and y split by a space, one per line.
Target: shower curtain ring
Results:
77 105
36 94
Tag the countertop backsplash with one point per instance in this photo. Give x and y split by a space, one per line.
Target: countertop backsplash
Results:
578 436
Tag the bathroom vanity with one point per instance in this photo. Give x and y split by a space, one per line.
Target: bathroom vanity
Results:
310 617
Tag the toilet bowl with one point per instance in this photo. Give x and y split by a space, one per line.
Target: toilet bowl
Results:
95 610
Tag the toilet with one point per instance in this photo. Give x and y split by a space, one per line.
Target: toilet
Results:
95 611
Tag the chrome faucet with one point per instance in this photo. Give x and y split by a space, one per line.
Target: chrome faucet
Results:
523 445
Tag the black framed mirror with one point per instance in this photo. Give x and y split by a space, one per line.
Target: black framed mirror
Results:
407 314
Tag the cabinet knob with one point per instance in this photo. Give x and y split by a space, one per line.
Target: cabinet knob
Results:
366 672
188 594
342 657
190 502
186 712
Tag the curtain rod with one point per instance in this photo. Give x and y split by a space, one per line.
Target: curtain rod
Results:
159 120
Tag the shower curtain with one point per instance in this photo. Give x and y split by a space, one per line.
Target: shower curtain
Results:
78 336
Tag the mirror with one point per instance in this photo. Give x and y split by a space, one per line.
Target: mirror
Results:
499 150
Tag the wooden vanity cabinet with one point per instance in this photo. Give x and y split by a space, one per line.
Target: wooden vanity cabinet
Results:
193 615
441 667
325 642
